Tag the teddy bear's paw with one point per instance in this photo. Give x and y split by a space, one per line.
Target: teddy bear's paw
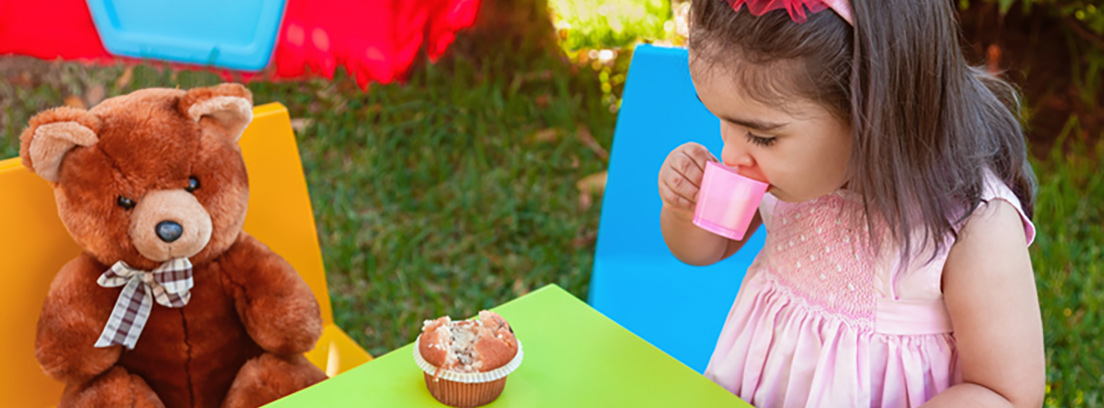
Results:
115 388
269 377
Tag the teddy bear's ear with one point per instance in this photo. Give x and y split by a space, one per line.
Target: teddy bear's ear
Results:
229 104
53 133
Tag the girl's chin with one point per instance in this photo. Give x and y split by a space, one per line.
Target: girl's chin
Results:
777 193
784 196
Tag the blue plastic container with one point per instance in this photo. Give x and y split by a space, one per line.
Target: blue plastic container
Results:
234 34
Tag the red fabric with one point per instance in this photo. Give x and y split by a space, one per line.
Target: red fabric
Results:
49 30
375 40
796 8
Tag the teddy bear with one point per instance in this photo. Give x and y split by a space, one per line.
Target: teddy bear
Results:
170 303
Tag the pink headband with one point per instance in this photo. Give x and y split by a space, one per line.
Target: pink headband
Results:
794 7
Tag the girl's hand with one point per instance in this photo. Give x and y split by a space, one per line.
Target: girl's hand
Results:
680 178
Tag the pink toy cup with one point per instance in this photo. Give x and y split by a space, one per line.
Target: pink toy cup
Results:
727 201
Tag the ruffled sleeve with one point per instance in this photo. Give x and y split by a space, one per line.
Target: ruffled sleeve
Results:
995 189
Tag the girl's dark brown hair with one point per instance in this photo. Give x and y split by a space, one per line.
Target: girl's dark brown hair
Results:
926 124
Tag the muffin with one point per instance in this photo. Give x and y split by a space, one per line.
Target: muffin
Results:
465 363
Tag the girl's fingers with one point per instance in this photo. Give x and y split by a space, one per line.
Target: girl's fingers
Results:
675 198
681 175
700 152
693 169
682 186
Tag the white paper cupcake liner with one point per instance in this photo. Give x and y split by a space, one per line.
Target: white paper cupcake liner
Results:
468 378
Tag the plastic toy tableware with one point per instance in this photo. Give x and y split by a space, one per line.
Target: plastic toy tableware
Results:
727 201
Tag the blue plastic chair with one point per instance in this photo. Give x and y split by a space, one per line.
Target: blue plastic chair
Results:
636 281
229 34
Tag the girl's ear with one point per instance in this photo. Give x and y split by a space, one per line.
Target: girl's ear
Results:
53 133
231 105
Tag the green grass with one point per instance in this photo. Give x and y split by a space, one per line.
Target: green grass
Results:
1068 257
438 197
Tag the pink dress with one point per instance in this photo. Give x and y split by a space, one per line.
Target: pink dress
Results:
818 322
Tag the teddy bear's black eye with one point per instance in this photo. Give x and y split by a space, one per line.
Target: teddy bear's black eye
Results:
124 202
193 184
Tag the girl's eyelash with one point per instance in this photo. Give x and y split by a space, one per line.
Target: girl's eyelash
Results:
760 140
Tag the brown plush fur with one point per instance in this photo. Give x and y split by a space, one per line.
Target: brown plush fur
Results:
115 388
250 316
267 378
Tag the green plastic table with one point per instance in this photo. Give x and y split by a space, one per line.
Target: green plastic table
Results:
574 357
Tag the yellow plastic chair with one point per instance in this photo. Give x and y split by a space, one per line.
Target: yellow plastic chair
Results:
34 245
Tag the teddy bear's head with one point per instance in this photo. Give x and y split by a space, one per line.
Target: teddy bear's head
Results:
149 176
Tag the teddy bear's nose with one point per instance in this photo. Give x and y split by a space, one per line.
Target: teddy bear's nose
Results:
169 231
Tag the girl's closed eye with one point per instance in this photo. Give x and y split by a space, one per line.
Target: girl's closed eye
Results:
761 140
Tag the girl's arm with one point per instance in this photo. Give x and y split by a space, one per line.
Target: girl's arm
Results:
989 289
696 246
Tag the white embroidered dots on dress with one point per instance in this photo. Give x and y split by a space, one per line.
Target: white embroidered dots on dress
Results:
817 243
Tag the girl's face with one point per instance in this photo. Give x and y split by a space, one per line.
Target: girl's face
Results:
800 149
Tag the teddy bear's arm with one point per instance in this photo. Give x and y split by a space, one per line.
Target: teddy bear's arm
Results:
72 318
274 303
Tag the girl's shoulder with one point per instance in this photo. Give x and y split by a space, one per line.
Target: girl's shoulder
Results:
995 190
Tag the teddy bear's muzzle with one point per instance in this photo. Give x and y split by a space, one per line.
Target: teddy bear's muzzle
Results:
168 224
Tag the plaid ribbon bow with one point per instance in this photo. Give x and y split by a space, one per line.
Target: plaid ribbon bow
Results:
169 284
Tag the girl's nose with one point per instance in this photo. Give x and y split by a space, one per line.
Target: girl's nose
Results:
737 156
736 152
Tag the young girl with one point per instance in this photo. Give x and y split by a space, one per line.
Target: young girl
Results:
895 271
